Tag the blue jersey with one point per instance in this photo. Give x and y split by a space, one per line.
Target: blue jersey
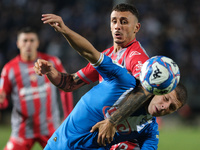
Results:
94 106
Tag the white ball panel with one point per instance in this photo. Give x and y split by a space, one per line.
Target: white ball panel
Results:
159 74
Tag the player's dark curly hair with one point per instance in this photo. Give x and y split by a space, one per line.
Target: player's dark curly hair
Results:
126 7
181 93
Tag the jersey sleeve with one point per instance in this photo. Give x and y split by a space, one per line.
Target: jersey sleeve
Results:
66 97
106 68
111 71
5 86
150 139
88 74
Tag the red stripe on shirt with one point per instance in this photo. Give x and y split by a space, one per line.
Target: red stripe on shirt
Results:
50 125
49 118
66 97
36 102
23 105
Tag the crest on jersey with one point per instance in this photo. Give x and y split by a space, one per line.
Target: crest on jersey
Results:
33 77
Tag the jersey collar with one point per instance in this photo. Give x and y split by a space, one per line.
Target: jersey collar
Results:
130 43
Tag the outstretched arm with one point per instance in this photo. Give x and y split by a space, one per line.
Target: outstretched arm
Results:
66 82
79 43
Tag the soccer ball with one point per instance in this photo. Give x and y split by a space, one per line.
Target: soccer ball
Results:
159 75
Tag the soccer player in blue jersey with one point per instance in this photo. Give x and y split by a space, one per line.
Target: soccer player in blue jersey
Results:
101 101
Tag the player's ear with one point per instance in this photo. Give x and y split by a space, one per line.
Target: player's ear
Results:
137 27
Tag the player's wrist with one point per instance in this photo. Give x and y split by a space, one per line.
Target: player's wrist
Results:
51 70
50 73
112 122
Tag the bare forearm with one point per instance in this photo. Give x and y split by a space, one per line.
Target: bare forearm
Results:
65 81
135 100
81 45
54 76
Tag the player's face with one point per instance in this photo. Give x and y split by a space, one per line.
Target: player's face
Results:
124 26
28 44
162 105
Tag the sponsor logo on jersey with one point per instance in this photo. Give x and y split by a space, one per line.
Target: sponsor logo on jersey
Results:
33 77
33 92
138 66
134 53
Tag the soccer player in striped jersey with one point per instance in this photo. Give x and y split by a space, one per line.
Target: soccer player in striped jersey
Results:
126 50
102 100
35 114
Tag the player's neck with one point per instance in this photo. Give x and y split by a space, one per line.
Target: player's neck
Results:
28 58
146 104
119 46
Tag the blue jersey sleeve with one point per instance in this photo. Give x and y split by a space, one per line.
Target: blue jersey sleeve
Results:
110 70
150 138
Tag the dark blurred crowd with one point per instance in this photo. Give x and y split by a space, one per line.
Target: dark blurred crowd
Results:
169 28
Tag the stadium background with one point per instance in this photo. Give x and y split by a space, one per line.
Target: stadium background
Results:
169 27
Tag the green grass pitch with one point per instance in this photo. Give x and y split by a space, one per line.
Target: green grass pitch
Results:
182 138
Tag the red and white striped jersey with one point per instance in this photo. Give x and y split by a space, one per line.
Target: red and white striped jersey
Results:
131 57
35 100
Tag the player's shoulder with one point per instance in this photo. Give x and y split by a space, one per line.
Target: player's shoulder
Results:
45 55
135 50
10 65
108 50
12 62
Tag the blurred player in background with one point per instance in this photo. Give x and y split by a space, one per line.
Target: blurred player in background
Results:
102 100
35 113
